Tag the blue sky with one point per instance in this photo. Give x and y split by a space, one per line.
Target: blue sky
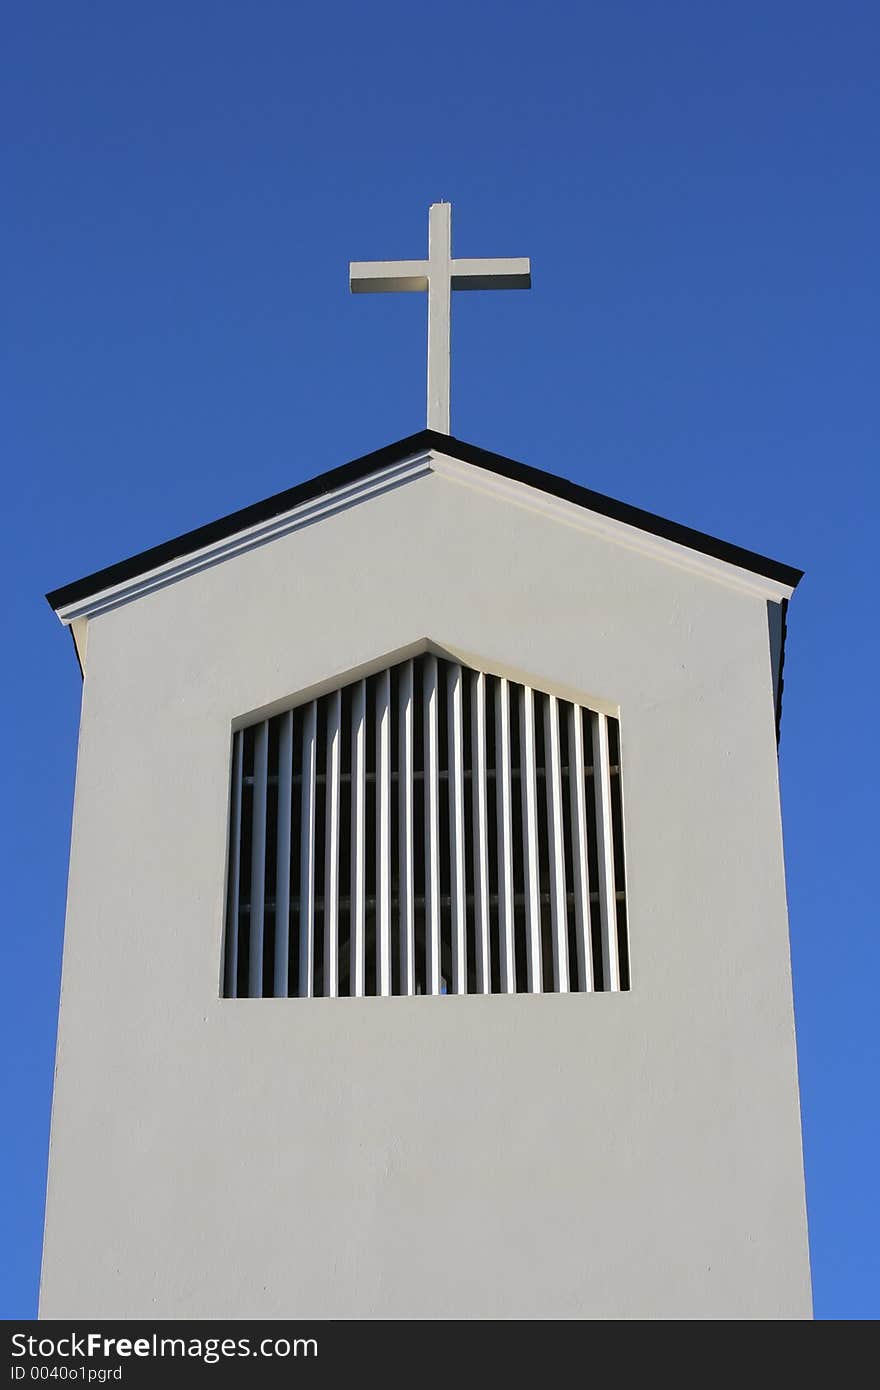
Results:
697 187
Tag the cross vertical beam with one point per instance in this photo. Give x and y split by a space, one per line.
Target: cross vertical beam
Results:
439 314
439 275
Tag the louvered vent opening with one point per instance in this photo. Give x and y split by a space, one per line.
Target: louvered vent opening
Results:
429 830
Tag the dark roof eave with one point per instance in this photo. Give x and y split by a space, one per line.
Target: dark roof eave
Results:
393 453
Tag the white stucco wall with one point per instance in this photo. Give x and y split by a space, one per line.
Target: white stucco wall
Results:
632 1155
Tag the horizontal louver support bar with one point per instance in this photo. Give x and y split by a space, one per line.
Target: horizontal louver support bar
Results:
429 830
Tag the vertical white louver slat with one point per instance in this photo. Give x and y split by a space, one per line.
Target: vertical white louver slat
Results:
258 861
282 854
432 828
505 836
481 833
456 831
383 833
307 860
581 863
558 910
531 872
621 935
405 822
331 847
607 893
358 807
234 870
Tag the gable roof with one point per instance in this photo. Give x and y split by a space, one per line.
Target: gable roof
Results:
348 473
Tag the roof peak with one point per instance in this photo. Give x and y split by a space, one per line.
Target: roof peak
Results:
390 454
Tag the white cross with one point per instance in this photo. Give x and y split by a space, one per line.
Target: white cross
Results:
439 275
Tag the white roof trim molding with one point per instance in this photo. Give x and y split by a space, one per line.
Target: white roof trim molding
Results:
610 529
383 480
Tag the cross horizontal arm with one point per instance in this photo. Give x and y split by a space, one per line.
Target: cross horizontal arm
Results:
492 274
375 277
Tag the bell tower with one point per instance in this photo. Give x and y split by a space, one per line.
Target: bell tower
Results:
426 950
